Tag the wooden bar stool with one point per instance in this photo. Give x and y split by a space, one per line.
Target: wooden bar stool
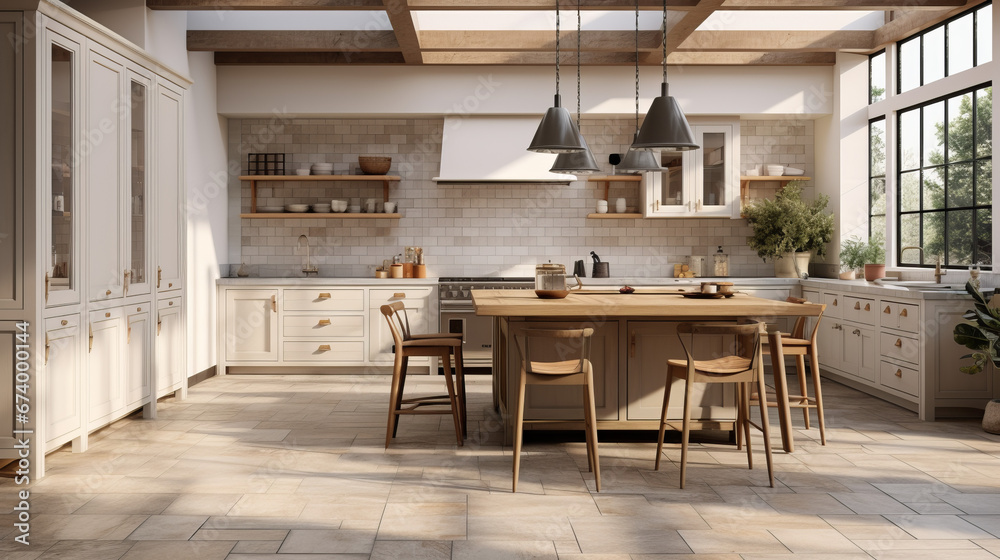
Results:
798 345
742 367
575 369
407 345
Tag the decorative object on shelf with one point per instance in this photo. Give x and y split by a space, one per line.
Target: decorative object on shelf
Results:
303 171
775 170
374 165
242 271
665 125
787 224
266 164
296 208
602 206
321 169
620 205
721 264
601 268
582 162
696 265
389 207
557 133
638 160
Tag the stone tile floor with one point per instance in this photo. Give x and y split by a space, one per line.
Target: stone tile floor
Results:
294 467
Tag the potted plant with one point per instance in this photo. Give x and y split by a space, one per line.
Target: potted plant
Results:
874 259
853 255
981 337
789 230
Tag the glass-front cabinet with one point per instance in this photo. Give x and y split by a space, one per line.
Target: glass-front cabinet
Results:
61 78
138 179
696 183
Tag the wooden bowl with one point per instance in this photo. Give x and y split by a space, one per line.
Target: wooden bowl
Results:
374 165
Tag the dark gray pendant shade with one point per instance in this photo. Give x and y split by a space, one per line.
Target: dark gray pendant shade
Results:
576 163
557 133
665 126
639 160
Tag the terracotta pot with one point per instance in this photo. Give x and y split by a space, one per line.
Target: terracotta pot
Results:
785 265
874 271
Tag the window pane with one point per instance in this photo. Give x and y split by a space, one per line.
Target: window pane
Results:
984 122
877 226
909 192
984 35
909 65
877 202
984 182
877 148
933 237
933 134
933 55
909 139
960 238
959 44
959 185
984 239
876 69
960 128
933 188
909 235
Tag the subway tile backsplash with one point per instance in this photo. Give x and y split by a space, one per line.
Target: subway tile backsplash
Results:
478 229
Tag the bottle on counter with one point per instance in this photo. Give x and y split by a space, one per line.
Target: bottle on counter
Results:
721 264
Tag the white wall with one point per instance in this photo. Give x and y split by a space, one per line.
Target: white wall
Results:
125 17
262 91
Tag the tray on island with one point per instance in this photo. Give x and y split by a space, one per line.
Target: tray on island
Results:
705 296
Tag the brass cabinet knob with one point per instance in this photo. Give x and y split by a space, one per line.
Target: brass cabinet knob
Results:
899 373
899 343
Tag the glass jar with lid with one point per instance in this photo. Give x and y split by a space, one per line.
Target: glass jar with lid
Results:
550 281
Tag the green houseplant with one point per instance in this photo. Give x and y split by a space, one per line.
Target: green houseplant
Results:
874 255
786 226
981 335
853 255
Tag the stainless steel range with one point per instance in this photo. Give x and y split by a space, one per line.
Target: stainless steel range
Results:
458 314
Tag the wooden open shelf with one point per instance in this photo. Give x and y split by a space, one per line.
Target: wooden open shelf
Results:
311 215
607 180
616 216
782 180
384 179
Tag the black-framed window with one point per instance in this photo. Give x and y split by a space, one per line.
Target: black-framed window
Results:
876 179
948 48
945 180
876 77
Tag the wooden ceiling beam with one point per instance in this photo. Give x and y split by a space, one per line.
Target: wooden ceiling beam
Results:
291 41
679 32
536 40
613 5
801 41
907 22
406 31
752 58
306 58
523 58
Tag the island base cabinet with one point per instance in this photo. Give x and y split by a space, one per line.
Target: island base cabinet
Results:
566 403
650 345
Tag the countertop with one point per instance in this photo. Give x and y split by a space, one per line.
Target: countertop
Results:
524 303
587 282
258 281
873 289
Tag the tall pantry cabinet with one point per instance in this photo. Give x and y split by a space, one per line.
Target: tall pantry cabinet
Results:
91 229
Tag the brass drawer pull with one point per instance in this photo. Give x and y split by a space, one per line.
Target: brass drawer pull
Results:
159 324
47 280
868 307
899 343
835 302
324 322
159 276
323 348
399 294
274 303
857 305
887 310
899 373
108 314
138 309
856 332
170 303
64 322
170 284
47 348
107 293
90 338
903 313
324 295
128 335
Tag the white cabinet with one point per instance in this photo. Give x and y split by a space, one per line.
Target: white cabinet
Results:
105 368
251 325
324 325
17 344
137 188
12 218
697 183
846 337
170 354
168 168
63 381
137 348
417 304
651 344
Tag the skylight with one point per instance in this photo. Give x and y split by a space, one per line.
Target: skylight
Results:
534 20
288 20
798 20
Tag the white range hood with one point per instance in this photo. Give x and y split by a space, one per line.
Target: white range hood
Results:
477 149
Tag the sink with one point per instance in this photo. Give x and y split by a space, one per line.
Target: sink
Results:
920 285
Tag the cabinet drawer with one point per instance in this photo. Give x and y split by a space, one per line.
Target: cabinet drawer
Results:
323 326
859 310
900 378
413 298
323 299
899 347
897 315
834 305
323 351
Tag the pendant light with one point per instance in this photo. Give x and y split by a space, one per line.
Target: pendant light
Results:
665 125
557 133
582 162
638 159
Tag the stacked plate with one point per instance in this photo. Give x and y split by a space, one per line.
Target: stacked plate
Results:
322 169
793 171
775 170
297 208
338 205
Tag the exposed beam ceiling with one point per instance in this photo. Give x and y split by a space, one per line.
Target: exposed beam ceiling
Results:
689 41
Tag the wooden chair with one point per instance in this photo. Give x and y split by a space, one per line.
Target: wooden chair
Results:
406 345
574 369
798 345
742 367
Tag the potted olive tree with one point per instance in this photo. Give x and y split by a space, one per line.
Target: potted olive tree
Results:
852 257
789 230
981 335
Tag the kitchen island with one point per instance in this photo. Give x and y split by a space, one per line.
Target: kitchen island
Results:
634 335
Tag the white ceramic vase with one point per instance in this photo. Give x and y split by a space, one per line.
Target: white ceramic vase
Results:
785 266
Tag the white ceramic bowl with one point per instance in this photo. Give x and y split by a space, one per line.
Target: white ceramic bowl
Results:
297 208
321 208
793 171
752 173
338 205
302 171
775 170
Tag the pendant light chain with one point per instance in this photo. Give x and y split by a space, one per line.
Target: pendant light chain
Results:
579 40
557 47
637 65
664 41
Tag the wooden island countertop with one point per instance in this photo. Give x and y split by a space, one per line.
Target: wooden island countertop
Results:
660 304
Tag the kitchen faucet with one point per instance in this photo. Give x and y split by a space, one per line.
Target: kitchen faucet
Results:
308 268
938 273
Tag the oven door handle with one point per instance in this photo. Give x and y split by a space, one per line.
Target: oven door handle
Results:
457 307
